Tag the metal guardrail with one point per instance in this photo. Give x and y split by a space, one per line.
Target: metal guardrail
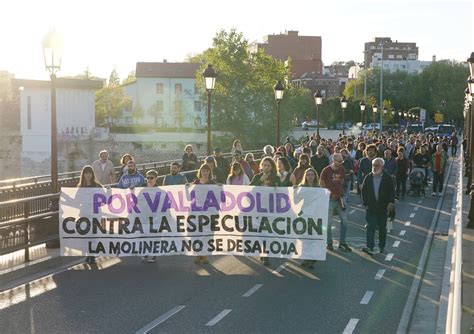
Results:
33 220
453 318
29 230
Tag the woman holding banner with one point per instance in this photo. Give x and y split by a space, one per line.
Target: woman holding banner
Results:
204 176
310 179
267 178
88 180
237 176
151 178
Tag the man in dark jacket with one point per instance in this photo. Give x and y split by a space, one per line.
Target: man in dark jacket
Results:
378 197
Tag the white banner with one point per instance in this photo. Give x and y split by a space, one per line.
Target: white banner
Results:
195 220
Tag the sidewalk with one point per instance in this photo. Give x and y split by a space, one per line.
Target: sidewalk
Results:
467 317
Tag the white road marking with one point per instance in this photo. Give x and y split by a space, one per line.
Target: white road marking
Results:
366 299
218 318
252 290
412 215
420 201
396 243
277 270
389 257
161 319
402 232
416 208
379 274
352 211
408 223
351 325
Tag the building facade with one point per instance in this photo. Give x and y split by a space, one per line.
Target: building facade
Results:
304 51
392 51
167 95
75 108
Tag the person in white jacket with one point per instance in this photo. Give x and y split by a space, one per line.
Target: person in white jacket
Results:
237 176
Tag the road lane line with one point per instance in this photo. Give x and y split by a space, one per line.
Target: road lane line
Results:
352 211
412 215
351 325
396 243
218 318
252 290
366 299
408 223
389 257
402 232
416 208
161 319
379 274
277 270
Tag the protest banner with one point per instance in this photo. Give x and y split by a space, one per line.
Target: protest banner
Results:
195 220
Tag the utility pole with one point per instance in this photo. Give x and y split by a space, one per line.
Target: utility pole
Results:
381 89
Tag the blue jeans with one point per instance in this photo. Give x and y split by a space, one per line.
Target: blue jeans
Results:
376 219
334 205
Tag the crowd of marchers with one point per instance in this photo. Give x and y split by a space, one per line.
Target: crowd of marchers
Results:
375 166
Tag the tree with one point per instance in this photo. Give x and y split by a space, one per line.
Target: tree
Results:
138 112
130 78
114 79
441 81
243 102
110 102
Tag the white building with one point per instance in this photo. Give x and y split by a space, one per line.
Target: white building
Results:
412 66
167 95
75 109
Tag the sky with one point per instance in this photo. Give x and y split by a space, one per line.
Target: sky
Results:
103 35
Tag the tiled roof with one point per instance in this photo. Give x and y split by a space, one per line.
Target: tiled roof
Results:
60 83
166 70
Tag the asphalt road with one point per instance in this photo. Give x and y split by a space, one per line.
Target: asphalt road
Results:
349 291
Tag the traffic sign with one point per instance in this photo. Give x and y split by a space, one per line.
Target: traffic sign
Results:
439 117
422 115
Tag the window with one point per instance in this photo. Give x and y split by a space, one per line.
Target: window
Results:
159 88
178 88
197 106
28 112
159 106
196 90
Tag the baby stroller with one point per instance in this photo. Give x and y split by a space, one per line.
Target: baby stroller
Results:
417 182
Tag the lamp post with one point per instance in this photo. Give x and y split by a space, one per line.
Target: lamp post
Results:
374 109
318 100
278 89
362 109
209 75
52 52
381 83
343 107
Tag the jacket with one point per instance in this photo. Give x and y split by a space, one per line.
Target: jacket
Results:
386 193
443 161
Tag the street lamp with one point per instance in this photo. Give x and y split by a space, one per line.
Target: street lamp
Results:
343 106
52 52
362 109
374 109
318 100
279 89
209 75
